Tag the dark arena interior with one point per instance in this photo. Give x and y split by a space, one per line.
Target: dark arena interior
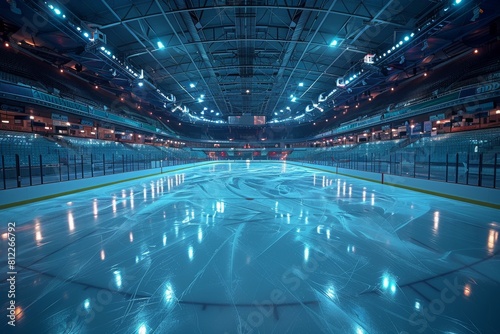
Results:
250 166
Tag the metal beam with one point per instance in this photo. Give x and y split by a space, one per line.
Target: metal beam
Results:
137 38
319 10
196 37
302 56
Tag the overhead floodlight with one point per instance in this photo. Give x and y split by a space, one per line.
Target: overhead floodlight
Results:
57 11
140 84
192 85
369 58
294 99
334 43
142 74
172 98
406 38
412 34
301 84
160 45
457 2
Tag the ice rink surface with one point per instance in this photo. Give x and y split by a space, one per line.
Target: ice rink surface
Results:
253 248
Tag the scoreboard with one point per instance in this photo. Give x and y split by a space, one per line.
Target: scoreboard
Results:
246 120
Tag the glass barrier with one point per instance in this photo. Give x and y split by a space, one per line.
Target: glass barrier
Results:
30 170
476 169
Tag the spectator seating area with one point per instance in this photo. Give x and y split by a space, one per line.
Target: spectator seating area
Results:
485 141
59 148
52 150
477 141
475 68
19 69
28 145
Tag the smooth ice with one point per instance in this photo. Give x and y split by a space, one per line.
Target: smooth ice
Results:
254 248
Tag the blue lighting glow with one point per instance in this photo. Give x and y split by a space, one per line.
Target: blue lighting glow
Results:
389 283
406 38
86 304
160 45
57 11
334 43
385 282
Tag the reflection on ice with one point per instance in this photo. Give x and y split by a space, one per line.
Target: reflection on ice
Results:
273 254
71 221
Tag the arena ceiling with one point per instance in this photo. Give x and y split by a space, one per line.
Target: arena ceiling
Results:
202 61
